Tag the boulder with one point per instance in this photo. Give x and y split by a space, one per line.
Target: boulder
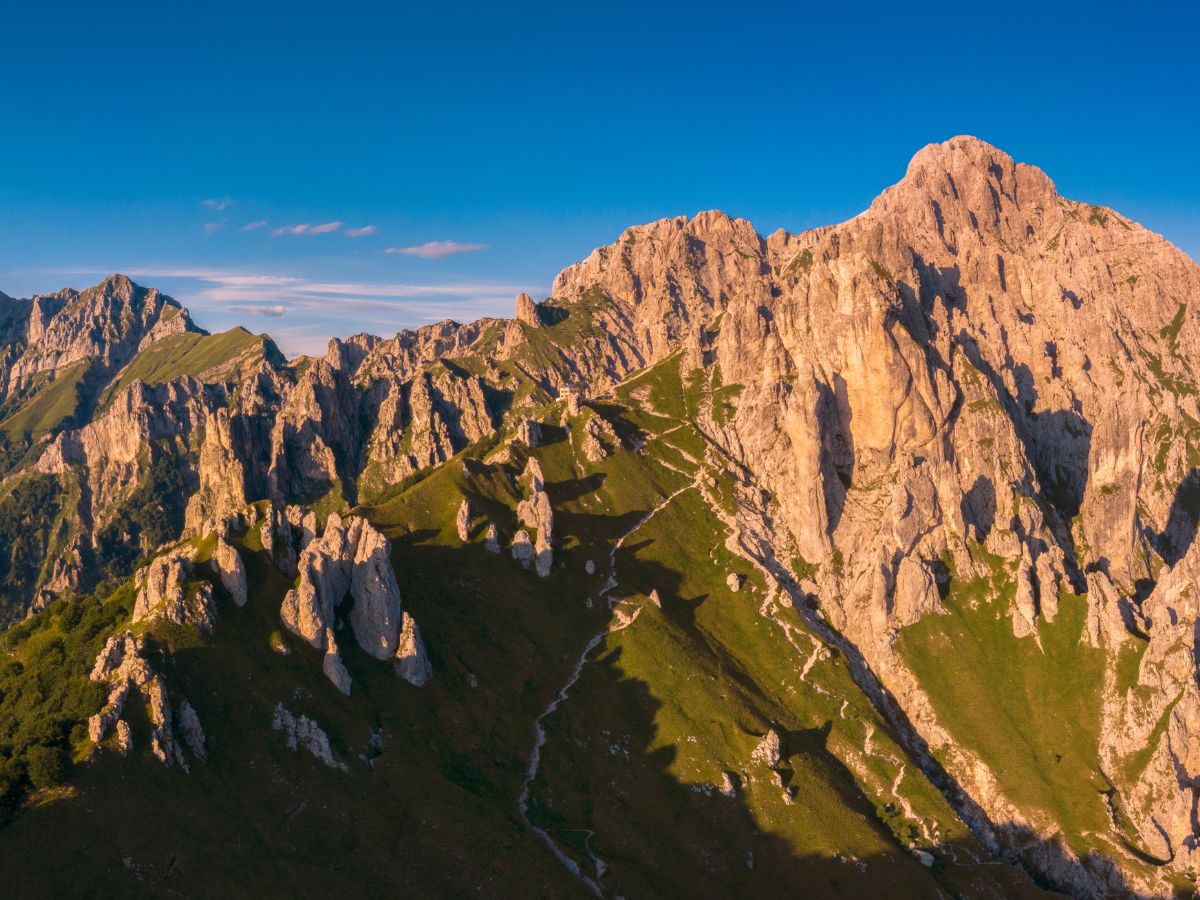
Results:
769 751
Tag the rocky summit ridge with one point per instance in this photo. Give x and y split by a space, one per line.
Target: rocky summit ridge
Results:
945 452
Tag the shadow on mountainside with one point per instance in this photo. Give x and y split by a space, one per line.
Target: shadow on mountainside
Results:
611 794
1173 542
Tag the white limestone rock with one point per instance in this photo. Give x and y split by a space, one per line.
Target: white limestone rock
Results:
462 522
227 563
769 750
522 548
164 594
376 613
332 665
193 733
412 663
302 732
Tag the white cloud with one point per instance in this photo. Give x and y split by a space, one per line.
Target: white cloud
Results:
251 226
269 311
291 229
361 232
212 227
437 249
305 228
219 205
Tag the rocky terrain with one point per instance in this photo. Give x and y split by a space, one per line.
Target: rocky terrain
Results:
861 558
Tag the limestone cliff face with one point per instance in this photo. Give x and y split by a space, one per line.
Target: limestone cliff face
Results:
123 667
974 361
350 559
106 324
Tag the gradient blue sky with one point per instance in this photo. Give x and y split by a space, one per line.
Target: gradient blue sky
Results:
146 138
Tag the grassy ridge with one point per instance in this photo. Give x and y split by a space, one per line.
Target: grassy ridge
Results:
177 355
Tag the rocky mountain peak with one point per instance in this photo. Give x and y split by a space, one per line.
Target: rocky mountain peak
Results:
965 191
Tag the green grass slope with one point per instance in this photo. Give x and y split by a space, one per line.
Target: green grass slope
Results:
187 353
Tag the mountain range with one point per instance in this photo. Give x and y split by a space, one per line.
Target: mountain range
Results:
855 560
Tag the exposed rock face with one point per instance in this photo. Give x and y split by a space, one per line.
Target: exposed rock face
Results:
303 733
733 581
122 666
529 433
527 310
412 663
193 734
325 571
573 399
491 540
222 477
522 548
462 522
350 558
376 613
332 665
227 563
536 514
166 594
599 438
769 750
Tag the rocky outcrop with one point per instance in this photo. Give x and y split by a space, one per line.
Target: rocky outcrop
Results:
599 438
522 549
462 521
769 750
122 667
526 310
375 617
529 433
352 559
332 665
537 515
165 593
491 539
227 564
412 663
193 734
302 732
222 477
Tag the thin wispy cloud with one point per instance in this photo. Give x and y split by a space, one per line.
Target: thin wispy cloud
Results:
212 227
291 229
306 228
272 312
220 205
361 232
437 249
252 226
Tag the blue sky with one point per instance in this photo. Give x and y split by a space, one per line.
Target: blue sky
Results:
505 141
